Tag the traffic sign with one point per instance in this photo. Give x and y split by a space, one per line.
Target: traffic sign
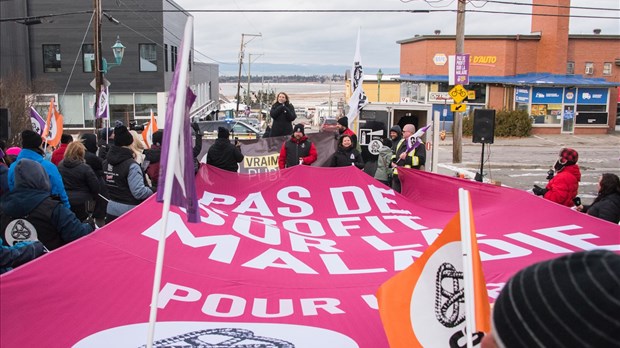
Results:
471 95
458 93
458 107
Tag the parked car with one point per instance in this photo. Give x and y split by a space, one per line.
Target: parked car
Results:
329 125
237 128
252 121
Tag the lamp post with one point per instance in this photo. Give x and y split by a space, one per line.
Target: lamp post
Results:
379 77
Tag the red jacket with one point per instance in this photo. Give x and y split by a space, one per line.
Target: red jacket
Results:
564 186
59 154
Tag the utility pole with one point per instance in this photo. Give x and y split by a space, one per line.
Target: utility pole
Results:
98 60
240 65
457 135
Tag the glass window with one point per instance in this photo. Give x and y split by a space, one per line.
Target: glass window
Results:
570 68
88 58
173 56
145 102
547 113
71 110
589 68
607 68
51 58
148 57
165 57
88 104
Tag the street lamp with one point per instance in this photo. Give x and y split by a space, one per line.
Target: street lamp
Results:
119 52
379 77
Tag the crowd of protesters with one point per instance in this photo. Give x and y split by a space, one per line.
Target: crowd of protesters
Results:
86 183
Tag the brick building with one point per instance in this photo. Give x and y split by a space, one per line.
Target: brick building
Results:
567 83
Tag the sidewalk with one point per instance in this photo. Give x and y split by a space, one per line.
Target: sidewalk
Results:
555 140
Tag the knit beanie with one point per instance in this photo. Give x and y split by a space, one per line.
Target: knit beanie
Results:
344 121
122 137
570 301
158 137
30 174
13 151
299 128
222 133
31 139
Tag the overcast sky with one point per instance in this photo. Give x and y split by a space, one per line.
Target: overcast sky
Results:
329 38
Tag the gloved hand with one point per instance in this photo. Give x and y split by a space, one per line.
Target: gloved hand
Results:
539 191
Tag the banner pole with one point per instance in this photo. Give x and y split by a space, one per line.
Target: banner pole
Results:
468 269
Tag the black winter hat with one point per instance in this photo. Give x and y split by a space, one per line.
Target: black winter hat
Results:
222 133
122 137
570 301
344 121
31 139
299 128
158 137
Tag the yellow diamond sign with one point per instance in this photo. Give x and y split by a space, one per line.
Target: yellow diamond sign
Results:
458 93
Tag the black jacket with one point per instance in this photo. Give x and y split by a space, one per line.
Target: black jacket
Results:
80 181
606 208
344 157
282 116
224 155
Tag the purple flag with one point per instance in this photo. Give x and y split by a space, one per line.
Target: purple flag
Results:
103 105
414 140
38 124
184 185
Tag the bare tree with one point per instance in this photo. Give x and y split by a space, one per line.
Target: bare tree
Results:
13 95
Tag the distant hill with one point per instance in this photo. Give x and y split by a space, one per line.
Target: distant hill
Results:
268 69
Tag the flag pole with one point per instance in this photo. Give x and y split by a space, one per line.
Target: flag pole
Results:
468 265
178 114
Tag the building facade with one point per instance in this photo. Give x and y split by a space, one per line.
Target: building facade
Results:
60 52
567 83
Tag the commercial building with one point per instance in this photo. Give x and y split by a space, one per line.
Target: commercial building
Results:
567 83
58 53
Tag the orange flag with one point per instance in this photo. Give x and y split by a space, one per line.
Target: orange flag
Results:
147 133
424 305
53 125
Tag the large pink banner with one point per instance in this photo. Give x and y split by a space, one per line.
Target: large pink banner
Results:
289 258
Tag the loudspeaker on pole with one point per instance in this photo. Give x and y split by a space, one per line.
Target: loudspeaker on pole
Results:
484 126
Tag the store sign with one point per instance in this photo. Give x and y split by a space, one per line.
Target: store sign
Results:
439 97
592 96
547 95
440 59
522 95
570 95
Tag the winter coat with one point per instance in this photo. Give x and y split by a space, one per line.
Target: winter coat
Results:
224 155
344 157
564 186
59 227
282 116
606 208
80 181
57 186
416 158
59 153
96 164
18 254
132 189
384 161
4 179
152 159
295 148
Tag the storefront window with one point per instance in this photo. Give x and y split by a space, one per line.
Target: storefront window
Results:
546 105
71 110
145 102
592 106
